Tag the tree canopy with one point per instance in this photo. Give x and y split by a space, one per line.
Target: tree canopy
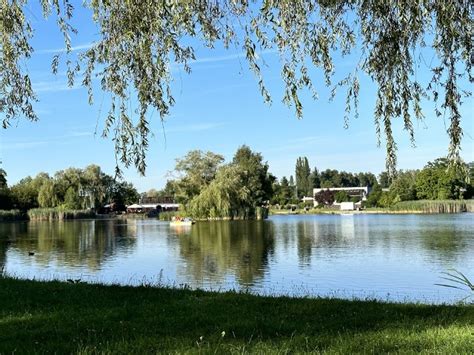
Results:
139 40
71 188
208 189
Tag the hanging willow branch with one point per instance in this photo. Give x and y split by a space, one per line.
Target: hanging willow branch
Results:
140 41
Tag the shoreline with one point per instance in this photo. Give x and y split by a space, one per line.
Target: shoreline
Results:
338 212
39 316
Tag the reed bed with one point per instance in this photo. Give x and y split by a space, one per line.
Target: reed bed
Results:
49 214
436 206
12 215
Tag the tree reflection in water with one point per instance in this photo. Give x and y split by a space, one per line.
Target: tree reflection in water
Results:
220 249
69 243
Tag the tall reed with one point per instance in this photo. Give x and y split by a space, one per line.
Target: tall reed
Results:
49 214
435 206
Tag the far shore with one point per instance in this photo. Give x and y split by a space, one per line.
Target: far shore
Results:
339 212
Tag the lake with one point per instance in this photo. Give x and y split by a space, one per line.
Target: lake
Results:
388 257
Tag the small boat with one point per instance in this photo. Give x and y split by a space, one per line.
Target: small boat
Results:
178 222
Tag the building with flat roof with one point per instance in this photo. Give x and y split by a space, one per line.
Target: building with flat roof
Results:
152 207
360 192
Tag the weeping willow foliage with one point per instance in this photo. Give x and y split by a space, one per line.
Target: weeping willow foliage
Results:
139 42
225 197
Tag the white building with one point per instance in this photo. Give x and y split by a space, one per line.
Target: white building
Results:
357 191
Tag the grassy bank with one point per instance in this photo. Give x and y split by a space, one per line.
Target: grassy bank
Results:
48 214
38 317
12 215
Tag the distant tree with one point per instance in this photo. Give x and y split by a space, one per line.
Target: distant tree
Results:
48 195
471 171
315 179
284 194
255 175
341 196
325 197
294 194
237 190
275 199
195 171
70 179
152 193
24 194
225 196
330 178
384 180
122 193
302 175
470 188
367 179
5 196
437 180
72 200
403 188
373 200
3 178
95 186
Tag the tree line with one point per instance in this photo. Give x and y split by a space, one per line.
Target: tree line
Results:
72 188
208 187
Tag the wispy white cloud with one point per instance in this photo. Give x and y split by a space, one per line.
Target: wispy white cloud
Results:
224 58
66 138
63 50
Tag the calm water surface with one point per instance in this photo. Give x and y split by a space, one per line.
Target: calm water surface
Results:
395 257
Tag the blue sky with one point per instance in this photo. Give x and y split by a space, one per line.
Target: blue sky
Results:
218 108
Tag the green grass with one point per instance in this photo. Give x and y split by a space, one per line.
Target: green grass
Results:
55 317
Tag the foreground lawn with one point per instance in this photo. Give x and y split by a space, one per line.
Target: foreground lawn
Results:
80 318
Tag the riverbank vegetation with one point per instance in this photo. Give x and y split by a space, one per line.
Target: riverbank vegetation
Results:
430 206
208 188
49 214
83 318
438 182
66 192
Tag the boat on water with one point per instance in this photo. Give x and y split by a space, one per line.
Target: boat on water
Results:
178 222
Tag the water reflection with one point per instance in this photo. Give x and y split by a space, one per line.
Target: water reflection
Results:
215 249
69 243
364 254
